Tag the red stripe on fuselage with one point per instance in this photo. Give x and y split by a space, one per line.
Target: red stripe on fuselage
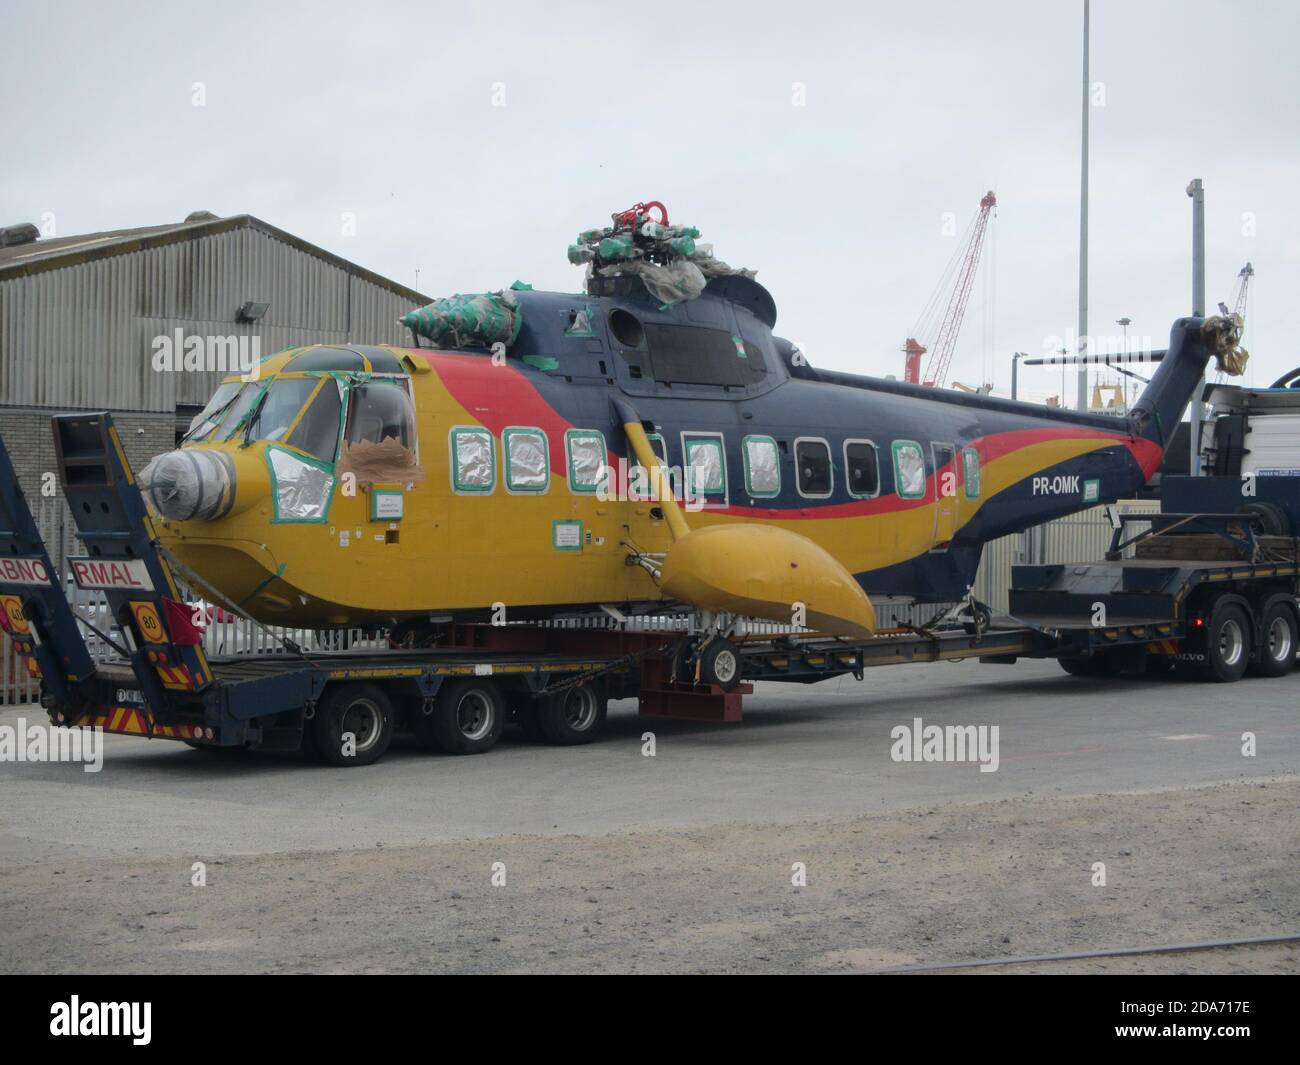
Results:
499 396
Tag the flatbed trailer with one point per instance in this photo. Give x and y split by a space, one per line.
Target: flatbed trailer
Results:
458 692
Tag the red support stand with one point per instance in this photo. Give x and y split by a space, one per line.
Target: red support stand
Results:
660 696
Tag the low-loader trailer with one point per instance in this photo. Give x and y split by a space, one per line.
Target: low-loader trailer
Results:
1214 598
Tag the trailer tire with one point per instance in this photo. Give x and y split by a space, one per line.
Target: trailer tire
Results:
468 717
574 715
1278 637
1227 642
361 710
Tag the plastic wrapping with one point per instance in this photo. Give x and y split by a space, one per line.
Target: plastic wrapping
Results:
586 459
191 484
475 320
669 283
764 476
302 489
525 460
475 469
705 462
909 463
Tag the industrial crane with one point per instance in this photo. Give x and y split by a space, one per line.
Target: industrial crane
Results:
945 336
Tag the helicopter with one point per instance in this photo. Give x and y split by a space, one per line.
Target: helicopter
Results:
647 444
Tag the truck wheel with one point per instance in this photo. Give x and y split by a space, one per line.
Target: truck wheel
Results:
1227 643
1095 665
573 715
1271 519
720 664
353 725
1278 639
468 717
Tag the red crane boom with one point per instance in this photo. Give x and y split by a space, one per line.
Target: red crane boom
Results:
936 370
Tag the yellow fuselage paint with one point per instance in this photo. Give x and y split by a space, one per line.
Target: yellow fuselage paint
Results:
456 553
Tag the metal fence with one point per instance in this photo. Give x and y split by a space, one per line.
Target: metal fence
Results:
1080 537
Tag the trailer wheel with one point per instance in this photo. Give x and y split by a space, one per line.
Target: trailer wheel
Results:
353 725
1227 643
1278 638
468 717
574 715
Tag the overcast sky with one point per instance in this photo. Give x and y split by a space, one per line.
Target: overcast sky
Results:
910 111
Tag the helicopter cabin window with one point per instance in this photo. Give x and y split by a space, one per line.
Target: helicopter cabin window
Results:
528 462
473 460
909 469
862 468
317 431
586 453
762 467
812 459
971 471
706 466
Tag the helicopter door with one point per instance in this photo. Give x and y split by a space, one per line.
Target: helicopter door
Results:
945 495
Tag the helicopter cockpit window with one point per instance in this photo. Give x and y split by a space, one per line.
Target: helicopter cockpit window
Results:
317 432
380 410
379 444
208 418
279 407
236 411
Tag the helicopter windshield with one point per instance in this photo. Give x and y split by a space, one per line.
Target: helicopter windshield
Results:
279 407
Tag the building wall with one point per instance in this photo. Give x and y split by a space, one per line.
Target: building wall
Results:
30 440
81 336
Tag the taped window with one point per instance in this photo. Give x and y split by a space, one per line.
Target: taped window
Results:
762 466
971 469
379 444
302 489
473 460
527 460
909 469
862 468
813 461
587 467
317 433
706 470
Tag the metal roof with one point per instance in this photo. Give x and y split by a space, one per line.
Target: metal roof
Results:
38 256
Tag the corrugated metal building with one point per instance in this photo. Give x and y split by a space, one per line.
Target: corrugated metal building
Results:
79 318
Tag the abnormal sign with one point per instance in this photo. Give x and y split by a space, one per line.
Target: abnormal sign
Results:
129 573
23 571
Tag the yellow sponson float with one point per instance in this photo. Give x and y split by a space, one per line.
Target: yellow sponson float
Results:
760 571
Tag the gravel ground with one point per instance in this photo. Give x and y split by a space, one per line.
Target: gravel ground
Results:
950 883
